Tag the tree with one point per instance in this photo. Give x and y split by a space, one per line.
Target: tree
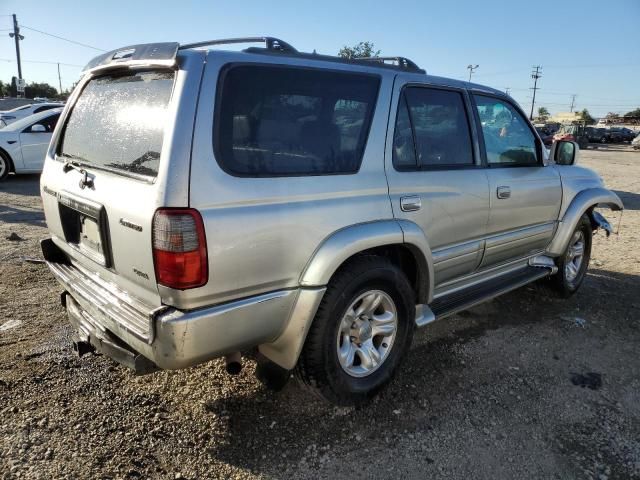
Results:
4 89
13 89
543 114
40 90
633 113
586 117
360 50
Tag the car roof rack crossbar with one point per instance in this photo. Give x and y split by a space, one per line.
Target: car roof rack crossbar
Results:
402 62
271 43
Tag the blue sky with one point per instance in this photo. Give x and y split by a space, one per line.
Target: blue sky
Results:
587 48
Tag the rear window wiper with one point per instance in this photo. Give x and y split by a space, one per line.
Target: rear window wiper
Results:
72 162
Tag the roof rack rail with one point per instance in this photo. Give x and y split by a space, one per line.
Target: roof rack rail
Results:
271 43
401 62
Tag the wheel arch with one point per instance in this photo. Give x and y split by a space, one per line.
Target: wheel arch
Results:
583 203
403 242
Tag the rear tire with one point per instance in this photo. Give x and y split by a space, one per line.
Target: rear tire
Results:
361 332
574 262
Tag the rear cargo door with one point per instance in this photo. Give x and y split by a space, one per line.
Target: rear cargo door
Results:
102 187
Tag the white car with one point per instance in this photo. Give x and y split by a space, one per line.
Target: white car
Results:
23 144
10 116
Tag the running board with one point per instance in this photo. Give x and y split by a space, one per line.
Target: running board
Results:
468 297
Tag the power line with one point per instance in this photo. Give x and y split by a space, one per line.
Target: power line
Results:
43 61
62 38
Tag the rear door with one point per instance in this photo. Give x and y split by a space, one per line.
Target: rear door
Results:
118 134
524 193
435 175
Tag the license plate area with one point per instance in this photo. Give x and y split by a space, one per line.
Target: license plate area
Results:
84 224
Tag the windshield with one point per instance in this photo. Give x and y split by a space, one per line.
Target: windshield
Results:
30 120
118 122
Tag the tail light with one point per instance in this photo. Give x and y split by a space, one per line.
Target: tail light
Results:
179 248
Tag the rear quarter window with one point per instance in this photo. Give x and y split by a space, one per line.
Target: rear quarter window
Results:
288 121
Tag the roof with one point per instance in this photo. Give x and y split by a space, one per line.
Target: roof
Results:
164 54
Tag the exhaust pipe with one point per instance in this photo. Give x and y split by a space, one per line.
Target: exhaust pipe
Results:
234 363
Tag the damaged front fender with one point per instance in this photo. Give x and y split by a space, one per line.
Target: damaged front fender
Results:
583 202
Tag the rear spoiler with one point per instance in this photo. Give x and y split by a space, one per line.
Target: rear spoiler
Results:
148 54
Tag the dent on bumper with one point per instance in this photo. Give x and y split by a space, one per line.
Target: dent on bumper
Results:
174 339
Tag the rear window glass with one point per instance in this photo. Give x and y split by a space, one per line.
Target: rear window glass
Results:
275 121
118 122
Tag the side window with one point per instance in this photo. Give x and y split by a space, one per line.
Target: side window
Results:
50 122
404 153
277 121
508 138
440 127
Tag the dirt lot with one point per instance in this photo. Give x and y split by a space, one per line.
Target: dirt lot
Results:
490 393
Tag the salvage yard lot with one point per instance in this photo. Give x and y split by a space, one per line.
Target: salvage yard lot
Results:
525 386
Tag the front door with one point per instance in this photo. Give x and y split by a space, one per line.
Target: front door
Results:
525 195
435 175
34 141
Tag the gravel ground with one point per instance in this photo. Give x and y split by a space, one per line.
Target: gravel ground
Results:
525 386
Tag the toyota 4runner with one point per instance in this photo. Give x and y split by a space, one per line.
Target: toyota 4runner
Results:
314 209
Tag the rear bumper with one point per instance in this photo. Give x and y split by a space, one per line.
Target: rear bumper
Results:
124 328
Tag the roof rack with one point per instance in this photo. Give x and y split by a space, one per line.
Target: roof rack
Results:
401 62
271 43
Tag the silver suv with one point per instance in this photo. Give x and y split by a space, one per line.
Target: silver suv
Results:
306 208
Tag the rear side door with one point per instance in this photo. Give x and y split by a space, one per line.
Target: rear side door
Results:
435 175
524 194
35 142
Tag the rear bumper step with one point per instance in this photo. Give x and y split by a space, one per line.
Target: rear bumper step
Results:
90 338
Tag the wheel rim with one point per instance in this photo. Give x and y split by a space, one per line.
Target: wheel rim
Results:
366 334
3 166
575 256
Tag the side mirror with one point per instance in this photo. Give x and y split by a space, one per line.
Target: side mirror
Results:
565 152
38 128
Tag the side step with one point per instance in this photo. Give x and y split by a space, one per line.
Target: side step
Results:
468 297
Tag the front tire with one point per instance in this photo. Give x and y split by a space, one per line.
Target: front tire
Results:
5 166
362 330
573 264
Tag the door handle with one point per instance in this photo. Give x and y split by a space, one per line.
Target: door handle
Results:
503 192
410 203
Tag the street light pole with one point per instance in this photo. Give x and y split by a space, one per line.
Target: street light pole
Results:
471 69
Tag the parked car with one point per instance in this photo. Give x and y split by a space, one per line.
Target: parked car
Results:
597 135
10 116
614 136
624 134
203 203
635 143
23 144
545 135
573 133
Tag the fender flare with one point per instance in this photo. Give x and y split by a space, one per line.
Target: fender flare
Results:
347 242
336 249
582 202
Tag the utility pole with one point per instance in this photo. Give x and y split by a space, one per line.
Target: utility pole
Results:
536 74
59 79
471 69
573 102
17 37
506 90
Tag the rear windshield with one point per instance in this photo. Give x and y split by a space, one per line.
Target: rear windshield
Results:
285 121
118 122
